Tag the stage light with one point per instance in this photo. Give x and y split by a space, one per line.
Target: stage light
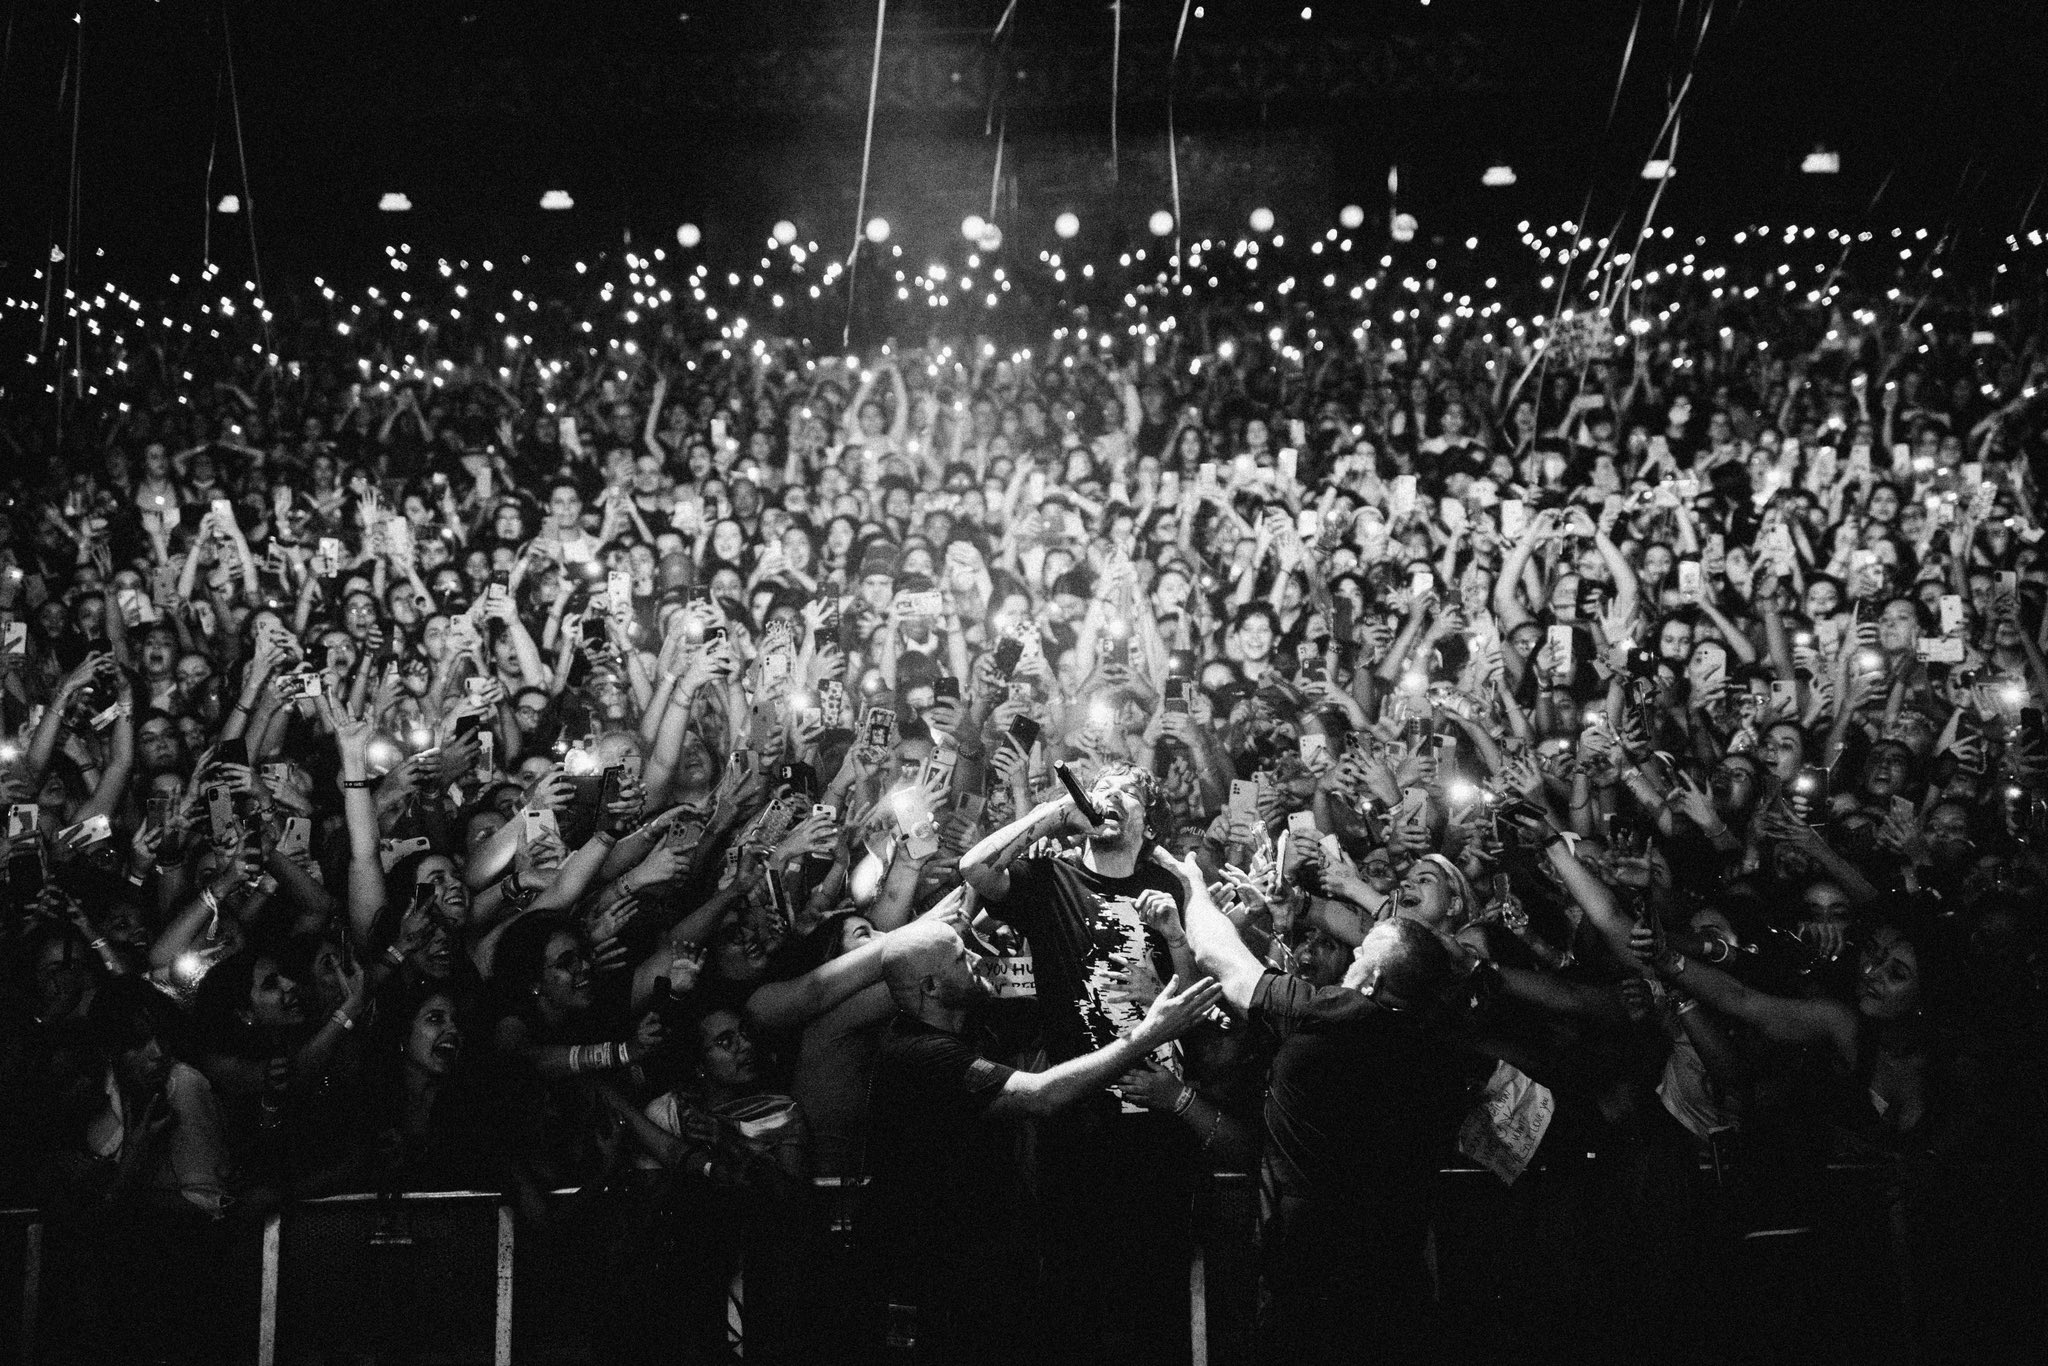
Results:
784 232
557 199
1657 168
972 227
1161 223
689 235
394 202
1262 219
229 203
1820 161
991 237
878 230
1402 229
1067 225
1498 177
1350 217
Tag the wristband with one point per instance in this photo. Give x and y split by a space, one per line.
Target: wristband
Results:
1184 1100
341 1018
209 900
394 956
357 784
99 945
1686 1005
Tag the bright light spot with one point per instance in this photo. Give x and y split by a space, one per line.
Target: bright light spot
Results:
878 230
972 226
1067 225
1498 177
1820 161
1351 217
229 204
1161 223
689 235
1262 218
394 201
784 232
1403 228
1658 168
556 200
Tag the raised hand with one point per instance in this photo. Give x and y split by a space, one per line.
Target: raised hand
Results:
1175 1010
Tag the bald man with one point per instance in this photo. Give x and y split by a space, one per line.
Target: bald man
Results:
942 1219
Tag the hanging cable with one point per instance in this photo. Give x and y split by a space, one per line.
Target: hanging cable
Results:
1116 68
1172 151
242 154
867 147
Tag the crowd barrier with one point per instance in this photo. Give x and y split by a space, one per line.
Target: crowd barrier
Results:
1935 1265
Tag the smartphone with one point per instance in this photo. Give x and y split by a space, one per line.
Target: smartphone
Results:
233 750
1287 460
1785 697
798 777
293 687
1176 697
16 638
1009 652
1315 748
1707 670
1301 834
832 703
1811 782
156 813
1342 620
878 727
1691 582
1625 836
945 686
593 633
296 839
220 808
1244 801
1025 732
1561 638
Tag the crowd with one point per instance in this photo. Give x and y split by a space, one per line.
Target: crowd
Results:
894 823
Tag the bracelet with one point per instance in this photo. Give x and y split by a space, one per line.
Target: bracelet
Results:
1686 1005
1214 1125
357 784
341 1018
209 900
1185 1099
99 945
394 956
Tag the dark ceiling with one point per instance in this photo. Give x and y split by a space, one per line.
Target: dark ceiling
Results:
701 108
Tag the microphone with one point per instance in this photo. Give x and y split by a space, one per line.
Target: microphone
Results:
1081 802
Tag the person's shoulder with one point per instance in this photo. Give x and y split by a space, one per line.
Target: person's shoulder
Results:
1284 999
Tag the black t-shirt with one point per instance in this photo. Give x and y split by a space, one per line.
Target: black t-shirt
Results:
1083 928
943 1174
1362 1104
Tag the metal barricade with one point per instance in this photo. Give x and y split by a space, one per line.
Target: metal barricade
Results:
1957 1248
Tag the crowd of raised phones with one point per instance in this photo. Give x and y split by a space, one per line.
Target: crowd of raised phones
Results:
579 776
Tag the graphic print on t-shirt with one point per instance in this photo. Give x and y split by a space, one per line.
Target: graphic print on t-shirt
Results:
1118 964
